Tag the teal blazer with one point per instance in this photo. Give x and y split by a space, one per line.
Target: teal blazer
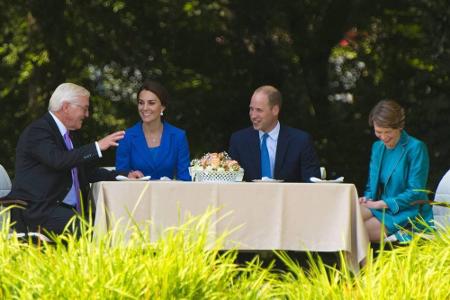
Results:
408 174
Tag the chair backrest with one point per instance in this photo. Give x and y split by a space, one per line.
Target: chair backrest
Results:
442 214
5 182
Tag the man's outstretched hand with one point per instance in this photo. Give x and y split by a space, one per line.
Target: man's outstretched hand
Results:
111 140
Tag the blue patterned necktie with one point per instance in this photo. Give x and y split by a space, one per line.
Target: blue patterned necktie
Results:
265 160
74 172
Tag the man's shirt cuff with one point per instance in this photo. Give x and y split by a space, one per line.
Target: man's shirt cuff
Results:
99 152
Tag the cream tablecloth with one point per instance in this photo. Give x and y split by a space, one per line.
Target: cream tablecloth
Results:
289 216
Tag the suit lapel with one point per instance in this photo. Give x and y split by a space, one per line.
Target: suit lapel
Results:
399 154
161 152
379 159
164 147
55 130
255 151
142 149
282 146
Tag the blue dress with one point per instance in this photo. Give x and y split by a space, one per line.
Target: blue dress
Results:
397 176
170 159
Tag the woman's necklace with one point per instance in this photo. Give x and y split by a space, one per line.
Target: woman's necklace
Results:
154 137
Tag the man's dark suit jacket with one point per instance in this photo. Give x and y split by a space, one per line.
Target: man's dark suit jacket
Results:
295 159
43 170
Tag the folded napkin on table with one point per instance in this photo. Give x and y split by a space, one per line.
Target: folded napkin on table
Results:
317 180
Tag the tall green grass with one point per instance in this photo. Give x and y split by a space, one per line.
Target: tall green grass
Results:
420 270
187 264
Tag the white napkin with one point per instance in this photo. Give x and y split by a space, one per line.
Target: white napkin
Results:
124 178
267 179
317 180
165 178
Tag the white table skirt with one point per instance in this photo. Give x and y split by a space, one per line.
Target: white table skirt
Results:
288 216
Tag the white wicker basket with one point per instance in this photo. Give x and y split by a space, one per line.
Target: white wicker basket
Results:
217 176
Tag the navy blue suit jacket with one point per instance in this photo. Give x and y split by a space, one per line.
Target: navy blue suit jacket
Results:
295 159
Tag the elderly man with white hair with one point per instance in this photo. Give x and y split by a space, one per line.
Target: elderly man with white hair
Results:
52 171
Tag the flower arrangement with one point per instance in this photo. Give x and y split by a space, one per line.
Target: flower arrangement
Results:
216 167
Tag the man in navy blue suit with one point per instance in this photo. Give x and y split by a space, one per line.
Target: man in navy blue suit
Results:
291 153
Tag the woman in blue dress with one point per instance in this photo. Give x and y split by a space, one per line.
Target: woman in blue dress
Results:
152 146
398 170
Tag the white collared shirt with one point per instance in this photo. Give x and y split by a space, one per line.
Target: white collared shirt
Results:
272 141
61 127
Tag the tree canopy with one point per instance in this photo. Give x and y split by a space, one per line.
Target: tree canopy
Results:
331 59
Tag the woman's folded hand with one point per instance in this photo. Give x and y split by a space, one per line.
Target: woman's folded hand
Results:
378 204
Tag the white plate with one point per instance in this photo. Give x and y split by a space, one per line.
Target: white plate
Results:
268 180
123 178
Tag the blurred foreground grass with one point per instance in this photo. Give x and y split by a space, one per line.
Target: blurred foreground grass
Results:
186 264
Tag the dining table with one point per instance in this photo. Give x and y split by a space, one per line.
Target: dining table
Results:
316 217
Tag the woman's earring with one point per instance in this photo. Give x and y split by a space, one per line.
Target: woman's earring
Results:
162 113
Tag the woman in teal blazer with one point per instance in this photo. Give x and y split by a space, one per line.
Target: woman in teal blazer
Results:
153 147
398 169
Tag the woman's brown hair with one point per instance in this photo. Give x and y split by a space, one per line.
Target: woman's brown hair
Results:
387 114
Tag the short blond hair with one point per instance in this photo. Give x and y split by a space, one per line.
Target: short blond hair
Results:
66 92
